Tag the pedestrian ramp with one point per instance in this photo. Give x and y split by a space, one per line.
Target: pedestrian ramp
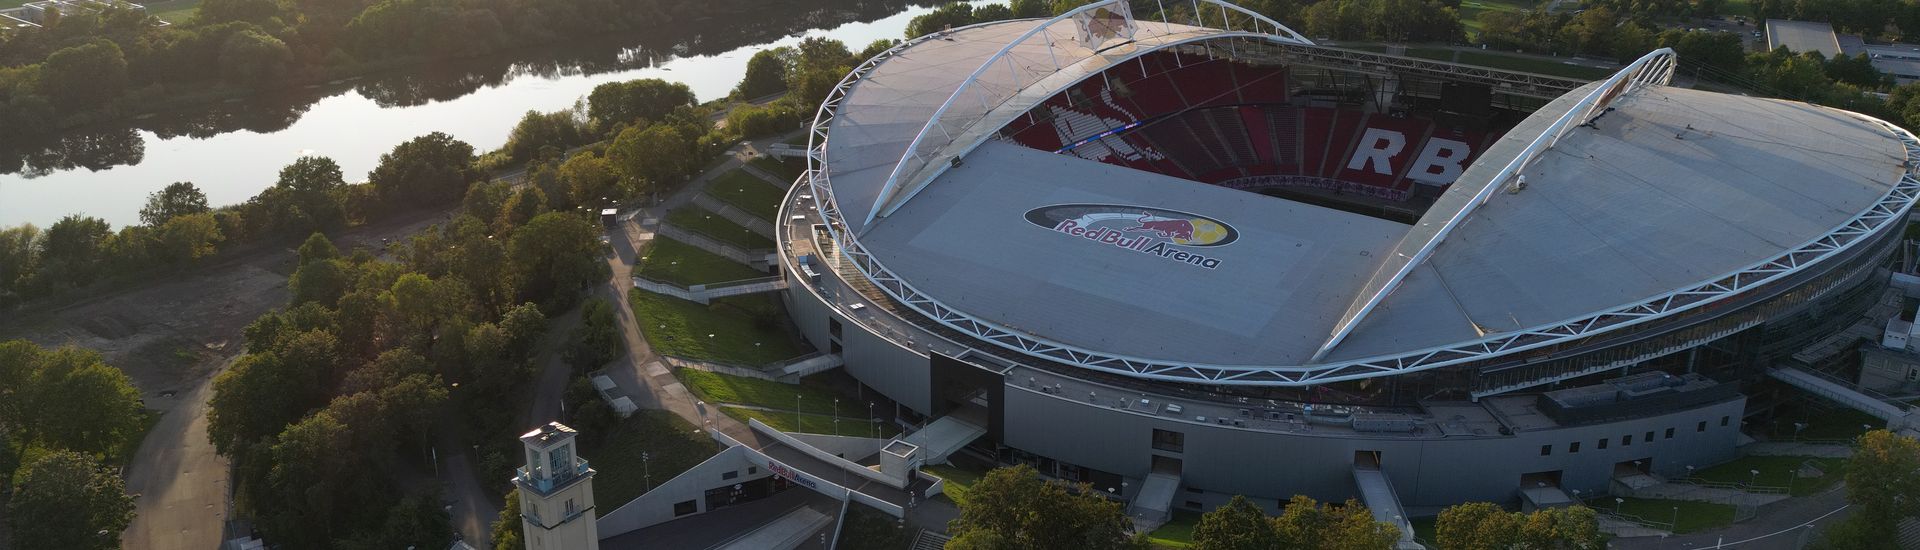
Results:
1376 491
812 364
1154 502
1843 394
943 437
788 531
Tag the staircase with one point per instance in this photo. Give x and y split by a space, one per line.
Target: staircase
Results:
929 540
736 288
816 363
1376 491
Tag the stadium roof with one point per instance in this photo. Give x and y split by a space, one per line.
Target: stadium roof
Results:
1671 188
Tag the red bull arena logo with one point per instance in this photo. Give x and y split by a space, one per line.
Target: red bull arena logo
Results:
1169 234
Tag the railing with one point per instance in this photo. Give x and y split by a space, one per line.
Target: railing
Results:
1653 69
946 124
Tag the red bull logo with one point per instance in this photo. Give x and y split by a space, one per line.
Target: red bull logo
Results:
1169 234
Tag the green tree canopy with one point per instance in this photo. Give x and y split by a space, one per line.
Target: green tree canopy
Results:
1308 524
766 73
648 99
84 76
425 171
177 199
553 256
1475 525
1013 509
1239 525
65 499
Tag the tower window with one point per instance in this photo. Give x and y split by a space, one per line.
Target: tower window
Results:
1546 450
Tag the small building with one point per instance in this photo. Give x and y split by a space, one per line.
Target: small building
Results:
610 217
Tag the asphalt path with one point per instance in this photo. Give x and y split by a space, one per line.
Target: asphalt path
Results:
180 481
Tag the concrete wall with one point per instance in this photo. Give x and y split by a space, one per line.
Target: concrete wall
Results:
1425 472
656 506
899 373
897 480
850 448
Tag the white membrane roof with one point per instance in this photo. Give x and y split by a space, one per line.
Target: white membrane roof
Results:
1673 187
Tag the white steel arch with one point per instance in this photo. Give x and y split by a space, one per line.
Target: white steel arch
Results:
915 168
1889 209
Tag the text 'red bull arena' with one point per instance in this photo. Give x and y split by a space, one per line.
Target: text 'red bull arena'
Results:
1184 260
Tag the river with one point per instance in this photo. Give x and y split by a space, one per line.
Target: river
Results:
235 149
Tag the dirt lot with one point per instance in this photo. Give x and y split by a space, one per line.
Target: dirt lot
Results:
171 337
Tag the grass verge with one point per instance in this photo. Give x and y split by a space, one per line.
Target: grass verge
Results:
172 11
747 192
723 388
1688 516
1776 471
1177 532
788 170
687 265
699 220
959 480
671 447
741 330
812 423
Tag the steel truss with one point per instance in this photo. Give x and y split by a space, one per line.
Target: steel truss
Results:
1887 211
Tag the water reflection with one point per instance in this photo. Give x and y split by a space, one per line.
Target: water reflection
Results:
107 146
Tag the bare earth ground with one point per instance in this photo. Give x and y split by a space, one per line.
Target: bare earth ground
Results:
171 337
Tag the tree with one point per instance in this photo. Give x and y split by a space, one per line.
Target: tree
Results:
189 237
506 529
316 248
1476 525
19 258
648 99
65 499
428 170
555 132
954 14
1239 525
1029 9
251 57
1012 508
589 179
553 256
651 156
75 401
177 199
1307 524
1881 477
71 251
84 76
526 203
766 74
524 325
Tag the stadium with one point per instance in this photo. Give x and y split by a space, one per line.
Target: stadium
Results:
1184 260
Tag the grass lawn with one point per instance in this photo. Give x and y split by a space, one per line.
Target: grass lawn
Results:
959 480
723 388
171 11
1177 532
1832 423
686 265
1471 11
745 330
812 423
749 193
1776 471
671 446
710 224
1692 516
788 170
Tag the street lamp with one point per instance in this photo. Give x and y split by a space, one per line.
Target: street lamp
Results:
1675 523
1753 475
797 421
873 430
1617 501
646 467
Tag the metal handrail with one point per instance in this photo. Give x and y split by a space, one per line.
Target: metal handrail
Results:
892 187
1655 68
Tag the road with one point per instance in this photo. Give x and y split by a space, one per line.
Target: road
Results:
181 482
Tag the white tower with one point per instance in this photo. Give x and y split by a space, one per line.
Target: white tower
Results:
556 492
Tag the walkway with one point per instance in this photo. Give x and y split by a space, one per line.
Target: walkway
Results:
1781 526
